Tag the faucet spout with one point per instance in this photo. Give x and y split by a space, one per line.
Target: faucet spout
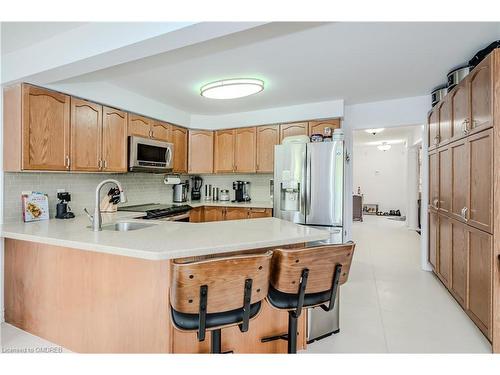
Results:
97 218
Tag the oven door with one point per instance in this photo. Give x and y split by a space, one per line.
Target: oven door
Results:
149 155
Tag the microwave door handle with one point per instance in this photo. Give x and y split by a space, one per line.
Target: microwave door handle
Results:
168 156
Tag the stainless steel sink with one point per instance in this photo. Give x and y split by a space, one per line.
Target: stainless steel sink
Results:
125 226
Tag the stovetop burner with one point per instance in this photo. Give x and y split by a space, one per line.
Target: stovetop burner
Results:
157 210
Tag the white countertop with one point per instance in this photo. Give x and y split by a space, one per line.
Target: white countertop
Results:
164 240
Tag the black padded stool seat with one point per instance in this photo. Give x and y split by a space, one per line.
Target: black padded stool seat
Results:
191 321
287 301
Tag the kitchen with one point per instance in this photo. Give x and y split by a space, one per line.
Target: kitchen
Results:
139 194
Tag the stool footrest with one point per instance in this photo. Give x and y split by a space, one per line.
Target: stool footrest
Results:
274 338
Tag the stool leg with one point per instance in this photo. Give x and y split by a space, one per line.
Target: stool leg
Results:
216 342
292 333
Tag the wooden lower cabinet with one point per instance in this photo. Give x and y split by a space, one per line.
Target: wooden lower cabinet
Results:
235 213
255 213
213 213
445 250
216 213
433 238
459 261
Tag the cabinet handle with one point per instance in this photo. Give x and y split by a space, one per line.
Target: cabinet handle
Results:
435 202
436 139
463 213
99 164
465 126
257 167
105 164
67 162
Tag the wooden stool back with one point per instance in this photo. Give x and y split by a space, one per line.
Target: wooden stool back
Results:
287 266
225 278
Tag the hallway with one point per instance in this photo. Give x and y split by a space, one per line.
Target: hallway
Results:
389 305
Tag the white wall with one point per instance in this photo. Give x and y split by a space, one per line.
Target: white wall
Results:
2 310
381 175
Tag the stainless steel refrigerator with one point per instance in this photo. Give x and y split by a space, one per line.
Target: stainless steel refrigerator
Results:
308 190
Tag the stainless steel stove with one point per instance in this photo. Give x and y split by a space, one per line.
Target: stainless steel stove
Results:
157 211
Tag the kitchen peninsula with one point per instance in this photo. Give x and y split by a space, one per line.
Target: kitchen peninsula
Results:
108 291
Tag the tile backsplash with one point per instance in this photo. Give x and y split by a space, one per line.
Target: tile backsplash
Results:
139 187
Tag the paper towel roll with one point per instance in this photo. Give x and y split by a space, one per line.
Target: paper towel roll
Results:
172 180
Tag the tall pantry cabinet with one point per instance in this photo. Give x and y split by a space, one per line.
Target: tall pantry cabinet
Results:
464 194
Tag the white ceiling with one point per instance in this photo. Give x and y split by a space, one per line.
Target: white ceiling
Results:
395 135
304 63
18 35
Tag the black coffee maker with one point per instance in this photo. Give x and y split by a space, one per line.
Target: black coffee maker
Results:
63 211
241 191
197 182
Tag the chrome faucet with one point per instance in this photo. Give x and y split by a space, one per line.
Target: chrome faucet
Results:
96 220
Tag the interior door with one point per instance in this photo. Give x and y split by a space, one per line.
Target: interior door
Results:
480 210
114 140
460 178
325 171
444 180
86 135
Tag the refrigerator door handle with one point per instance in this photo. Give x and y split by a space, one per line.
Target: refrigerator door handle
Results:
308 188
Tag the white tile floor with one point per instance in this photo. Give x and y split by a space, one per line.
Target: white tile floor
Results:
388 305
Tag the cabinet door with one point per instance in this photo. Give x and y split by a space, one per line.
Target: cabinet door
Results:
46 129
196 215
434 180
444 121
297 128
480 210
213 214
201 151
433 238
86 135
267 137
460 109
139 126
444 180
459 179
433 124
460 248
161 131
178 137
255 213
245 150
318 127
224 151
235 213
481 109
480 279
114 140
444 252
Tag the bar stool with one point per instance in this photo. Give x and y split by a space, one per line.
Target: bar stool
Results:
305 278
211 294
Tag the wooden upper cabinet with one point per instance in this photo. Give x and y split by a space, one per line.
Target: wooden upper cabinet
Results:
433 237
245 150
86 125
480 210
267 138
160 130
459 99
459 178
114 140
45 129
201 151
480 279
434 180
296 128
139 126
444 180
318 127
178 136
445 132
459 261
224 151
481 95
433 125
444 252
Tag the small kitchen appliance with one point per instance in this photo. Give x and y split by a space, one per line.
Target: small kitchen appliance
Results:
241 191
180 192
437 94
456 75
196 184
224 195
63 211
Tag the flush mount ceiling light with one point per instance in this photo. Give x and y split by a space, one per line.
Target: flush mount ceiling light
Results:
384 146
374 131
232 88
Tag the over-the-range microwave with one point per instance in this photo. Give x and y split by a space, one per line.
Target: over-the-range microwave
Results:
150 155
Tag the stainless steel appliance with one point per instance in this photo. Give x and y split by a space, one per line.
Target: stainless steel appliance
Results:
180 192
241 191
197 183
438 94
308 190
456 75
163 212
224 195
149 155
